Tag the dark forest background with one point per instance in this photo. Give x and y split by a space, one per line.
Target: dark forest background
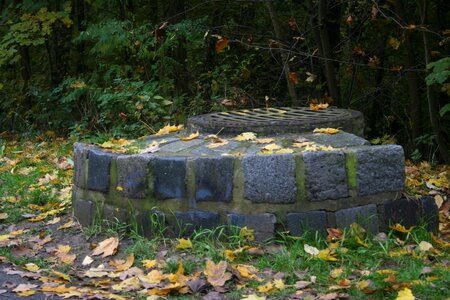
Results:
128 67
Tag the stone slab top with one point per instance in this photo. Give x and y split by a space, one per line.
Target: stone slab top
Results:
183 143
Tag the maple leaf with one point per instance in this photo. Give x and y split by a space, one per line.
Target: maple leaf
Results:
335 273
221 44
325 254
266 288
271 147
326 130
147 263
107 247
405 294
247 233
152 148
217 274
246 136
154 276
190 137
184 244
319 106
61 275
62 254
264 141
129 284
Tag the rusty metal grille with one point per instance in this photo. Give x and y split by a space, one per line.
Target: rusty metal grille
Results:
277 120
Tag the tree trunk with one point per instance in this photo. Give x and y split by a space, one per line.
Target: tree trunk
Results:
79 17
443 146
330 74
284 55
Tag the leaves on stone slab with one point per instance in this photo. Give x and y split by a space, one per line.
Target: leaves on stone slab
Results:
326 130
169 129
191 136
107 247
246 136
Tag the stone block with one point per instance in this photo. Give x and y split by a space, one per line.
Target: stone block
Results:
169 177
214 179
262 224
180 146
366 216
270 178
188 222
80 156
340 140
151 223
298 223
84 211
402 211
325 175
99 164
115 214
380 169
429 213
132 174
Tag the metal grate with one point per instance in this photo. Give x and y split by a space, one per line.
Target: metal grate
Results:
276 120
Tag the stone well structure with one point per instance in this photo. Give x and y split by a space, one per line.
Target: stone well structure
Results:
310 181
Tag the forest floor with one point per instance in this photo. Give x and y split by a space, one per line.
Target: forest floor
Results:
46 254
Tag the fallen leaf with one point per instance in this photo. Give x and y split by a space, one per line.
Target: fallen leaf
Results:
335 273
246 136
271 147
424 246
264 141
253 297
31 267
266 288
184 244
311 250
107 247
153 277
3 216
285 151
326 130
401 228
190 137
69 224
168 129
23 287
319 106
53 221
147 263
62 275
279 284
405 294
324 254
87 260
216 274
130 284
122 265
217 144
247 233
301 284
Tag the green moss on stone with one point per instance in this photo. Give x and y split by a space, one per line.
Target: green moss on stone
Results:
351 163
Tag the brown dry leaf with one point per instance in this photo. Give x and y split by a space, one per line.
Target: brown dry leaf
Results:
53 221
301 284
69 224
221 44
24 287
100 271
154 276
216 274
217 144
107 247
62 275
311 250
3 216
191 136
246 136
293 78
319 106
122 265
60 289
326 130
62 254
130 284
247 271
264 141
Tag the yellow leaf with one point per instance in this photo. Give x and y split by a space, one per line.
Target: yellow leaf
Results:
424 246
246 136
246 271
253 297
335 273
311 250
285 151
147 263
69 224
363 284
319 106
264 141
398 252
26 293
324 254
229 254
184 244
107 247
216 274
279 284
128 284
247 233
405 294
393 42
62 275
107 145
154 276
54 221
119 188
271 147
326 130
190 137
168 129
32 267
401 228
266 288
